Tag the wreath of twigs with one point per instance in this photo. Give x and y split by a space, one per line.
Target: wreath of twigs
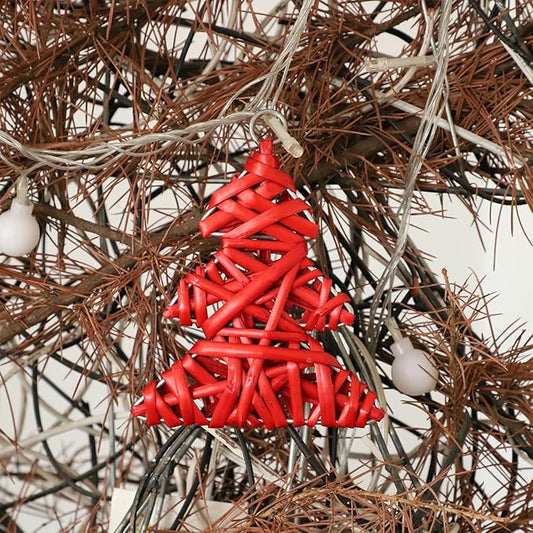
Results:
125 116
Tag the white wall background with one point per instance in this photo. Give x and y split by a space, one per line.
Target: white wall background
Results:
502 260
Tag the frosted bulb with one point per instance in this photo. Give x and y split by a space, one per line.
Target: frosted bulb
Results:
413 371
19 230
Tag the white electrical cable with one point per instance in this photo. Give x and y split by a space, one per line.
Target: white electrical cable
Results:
391 94
57 430
24 362
521 63
232 451
211 471
373 379
102 153
511 161
421 59
424 137
280 66
220 48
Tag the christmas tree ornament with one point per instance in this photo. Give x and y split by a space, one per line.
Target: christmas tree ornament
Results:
19 230
256 301
413 371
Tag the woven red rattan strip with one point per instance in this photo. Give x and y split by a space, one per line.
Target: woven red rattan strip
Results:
255 301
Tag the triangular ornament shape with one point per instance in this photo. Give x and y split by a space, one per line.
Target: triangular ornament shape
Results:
256 301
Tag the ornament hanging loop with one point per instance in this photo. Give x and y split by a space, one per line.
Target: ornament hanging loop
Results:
278 124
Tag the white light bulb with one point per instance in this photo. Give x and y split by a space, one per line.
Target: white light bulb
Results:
413 371
19 230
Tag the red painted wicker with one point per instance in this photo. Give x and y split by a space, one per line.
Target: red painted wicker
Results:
255 302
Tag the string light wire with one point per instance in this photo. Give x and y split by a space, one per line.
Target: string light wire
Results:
424 137
103 152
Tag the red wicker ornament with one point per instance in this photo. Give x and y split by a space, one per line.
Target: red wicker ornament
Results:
255 301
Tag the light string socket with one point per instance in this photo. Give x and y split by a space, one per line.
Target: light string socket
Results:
278 124
379 64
